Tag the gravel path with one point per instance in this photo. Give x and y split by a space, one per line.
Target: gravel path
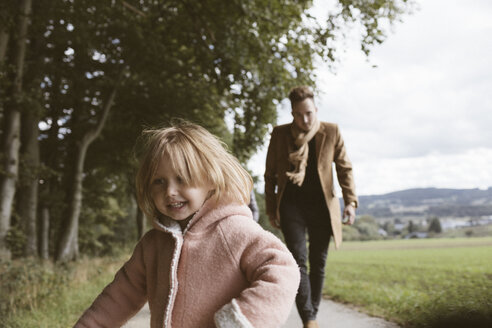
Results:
331 315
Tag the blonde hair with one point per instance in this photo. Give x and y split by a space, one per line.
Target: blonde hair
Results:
198 157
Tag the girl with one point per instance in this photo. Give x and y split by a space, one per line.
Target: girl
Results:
206 263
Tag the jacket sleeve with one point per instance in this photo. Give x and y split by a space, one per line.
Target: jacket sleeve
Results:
271 175
344 170
273 277
122 298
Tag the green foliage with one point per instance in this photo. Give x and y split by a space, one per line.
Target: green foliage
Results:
16 239
36 294
198 61
477 231
350 233
263 219
208 62
98 233
107 220
417 283
411 227
435 225
389 227
26 282
368 228
373 17
364 228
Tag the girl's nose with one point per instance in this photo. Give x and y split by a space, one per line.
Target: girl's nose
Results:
171 189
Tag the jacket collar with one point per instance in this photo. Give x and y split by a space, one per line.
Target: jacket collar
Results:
320 139
208 214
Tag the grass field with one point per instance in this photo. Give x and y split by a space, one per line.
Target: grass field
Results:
66 292
418 282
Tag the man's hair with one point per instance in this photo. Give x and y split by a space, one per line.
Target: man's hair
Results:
198 157
298 94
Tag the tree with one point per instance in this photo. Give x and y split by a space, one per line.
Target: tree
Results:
435 225
367 227
411 227
30 167
389 227
68 245
27 203
12 122
204 61
350 233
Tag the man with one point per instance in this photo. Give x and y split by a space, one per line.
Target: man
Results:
300 194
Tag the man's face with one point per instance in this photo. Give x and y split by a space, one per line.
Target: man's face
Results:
304 113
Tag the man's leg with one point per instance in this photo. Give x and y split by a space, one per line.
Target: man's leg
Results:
319 233
294 231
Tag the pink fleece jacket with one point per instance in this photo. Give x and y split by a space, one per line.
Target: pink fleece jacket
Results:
224 270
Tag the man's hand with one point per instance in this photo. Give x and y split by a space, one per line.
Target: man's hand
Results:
274 221
349 215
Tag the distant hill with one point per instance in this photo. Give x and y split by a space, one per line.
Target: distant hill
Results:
426 202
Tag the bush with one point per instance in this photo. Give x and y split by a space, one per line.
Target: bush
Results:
24 283
16 237
350 233
32 291
366 229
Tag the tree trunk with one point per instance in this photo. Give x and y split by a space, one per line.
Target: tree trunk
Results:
27 203
4 40
68 248
7 183
11 136
44 233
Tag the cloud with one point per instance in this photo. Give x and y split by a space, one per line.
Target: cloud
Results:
467 170
423 116
429 92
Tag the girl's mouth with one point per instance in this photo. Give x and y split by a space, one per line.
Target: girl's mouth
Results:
176 205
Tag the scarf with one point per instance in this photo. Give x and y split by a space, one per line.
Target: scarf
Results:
299 157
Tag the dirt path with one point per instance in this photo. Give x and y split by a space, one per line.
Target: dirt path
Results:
331 315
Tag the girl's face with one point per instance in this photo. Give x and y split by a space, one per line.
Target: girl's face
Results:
172 197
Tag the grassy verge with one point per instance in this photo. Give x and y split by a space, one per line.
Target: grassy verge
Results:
36 294
416 283
478 231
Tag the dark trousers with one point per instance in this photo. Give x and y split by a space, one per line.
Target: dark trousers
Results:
299 217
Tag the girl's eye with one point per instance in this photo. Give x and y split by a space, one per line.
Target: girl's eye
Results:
158 181
179 179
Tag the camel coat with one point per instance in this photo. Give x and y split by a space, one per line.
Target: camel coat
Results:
224 270
330 149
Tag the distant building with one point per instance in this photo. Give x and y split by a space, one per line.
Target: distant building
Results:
448 224
399 226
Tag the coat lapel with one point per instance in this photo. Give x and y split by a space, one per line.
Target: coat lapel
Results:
290 140
320 140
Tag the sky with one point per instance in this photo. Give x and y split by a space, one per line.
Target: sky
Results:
418 112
